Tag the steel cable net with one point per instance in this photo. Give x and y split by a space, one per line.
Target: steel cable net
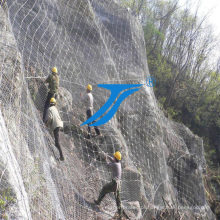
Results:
90 42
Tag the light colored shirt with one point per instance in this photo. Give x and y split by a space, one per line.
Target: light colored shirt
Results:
54 119
88 99
116 168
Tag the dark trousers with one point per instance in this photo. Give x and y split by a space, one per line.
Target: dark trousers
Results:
89 114
57 140
111 187
47 105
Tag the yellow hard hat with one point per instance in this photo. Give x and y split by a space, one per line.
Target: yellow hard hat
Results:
89 87
53 100
117 155
54 69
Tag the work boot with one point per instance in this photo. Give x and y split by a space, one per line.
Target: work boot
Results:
89 136
99 135
62 158
96 202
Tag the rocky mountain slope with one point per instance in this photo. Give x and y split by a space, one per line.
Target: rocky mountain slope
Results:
95 42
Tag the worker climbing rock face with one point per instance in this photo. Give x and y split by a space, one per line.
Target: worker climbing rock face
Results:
53 80
55 123
88 100
115 184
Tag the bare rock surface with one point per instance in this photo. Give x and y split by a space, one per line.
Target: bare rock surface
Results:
92 42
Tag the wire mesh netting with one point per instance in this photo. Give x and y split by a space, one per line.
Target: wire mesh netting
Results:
90 42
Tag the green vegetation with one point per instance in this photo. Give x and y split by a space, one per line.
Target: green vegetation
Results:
6 200
180 49
181 52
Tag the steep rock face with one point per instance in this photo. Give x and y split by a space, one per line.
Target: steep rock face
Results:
13 198
93 42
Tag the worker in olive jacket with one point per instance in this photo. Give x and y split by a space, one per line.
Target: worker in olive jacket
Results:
53 81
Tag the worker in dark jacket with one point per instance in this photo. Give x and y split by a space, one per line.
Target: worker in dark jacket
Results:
53 80
88 99
55 123
115 184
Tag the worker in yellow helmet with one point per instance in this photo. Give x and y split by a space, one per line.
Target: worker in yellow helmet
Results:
88 99
55 123
53 80
115 184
